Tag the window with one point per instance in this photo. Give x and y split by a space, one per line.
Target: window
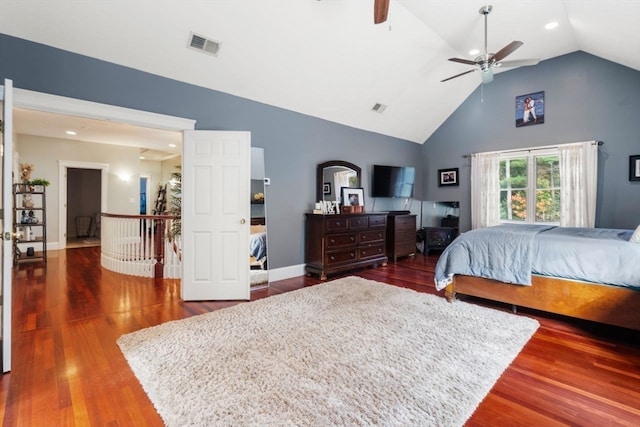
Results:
530 187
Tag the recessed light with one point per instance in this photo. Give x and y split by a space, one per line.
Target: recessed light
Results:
172 145
142 157
71 132
474 52
551 25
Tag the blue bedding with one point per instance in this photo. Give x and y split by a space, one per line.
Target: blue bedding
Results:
511 253
258 245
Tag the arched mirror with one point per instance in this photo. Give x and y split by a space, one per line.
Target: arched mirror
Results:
333 175
259 272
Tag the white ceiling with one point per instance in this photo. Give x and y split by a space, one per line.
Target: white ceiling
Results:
326 58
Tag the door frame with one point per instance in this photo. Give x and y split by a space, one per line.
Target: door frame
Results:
63 165
41 101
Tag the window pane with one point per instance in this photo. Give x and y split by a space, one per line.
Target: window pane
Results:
513 173
547 189
513 205
548 206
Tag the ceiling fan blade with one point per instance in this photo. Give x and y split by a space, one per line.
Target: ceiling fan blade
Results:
458 75
380 11
518 63
506 50
463 61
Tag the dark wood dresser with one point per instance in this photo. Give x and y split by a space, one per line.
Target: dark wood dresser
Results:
342 242
401 236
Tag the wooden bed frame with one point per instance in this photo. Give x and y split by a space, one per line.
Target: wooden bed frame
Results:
607 304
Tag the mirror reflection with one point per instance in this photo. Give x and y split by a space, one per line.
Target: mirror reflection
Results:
259 273
333 175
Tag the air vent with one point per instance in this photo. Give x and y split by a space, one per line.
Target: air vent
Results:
204 44
379 108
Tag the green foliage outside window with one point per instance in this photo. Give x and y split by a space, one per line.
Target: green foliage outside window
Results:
514 189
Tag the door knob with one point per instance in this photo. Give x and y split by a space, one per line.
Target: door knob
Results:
242 221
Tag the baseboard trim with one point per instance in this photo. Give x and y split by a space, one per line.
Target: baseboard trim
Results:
286 272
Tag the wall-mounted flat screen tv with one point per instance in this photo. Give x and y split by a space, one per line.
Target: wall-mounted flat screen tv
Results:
393 181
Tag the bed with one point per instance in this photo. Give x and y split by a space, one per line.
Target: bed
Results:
258 247
587 273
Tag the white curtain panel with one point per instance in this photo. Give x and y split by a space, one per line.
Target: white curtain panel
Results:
578 184
485 190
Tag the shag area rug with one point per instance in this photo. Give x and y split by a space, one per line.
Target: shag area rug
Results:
347 352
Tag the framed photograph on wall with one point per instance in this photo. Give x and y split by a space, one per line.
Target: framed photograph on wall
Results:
530 109
448 177
326 188
634 168
352 196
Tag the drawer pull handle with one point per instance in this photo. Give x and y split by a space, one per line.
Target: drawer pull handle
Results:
332 258
353 239
364 237
352 255
333 241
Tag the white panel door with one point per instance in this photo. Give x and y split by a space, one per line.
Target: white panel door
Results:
215 215
6 251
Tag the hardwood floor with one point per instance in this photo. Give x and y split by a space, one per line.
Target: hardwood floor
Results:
68 370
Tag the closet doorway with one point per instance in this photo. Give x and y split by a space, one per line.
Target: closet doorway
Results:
83 207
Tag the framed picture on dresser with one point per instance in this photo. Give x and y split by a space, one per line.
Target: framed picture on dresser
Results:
352 196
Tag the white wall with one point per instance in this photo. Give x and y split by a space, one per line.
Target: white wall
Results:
45 153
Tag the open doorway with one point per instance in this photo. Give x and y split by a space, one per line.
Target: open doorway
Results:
83 207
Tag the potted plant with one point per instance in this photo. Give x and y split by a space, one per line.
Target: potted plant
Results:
38 181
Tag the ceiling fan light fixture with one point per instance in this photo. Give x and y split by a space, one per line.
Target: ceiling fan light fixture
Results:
474 52
487 75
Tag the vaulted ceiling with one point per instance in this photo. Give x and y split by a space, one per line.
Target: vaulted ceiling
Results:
326 58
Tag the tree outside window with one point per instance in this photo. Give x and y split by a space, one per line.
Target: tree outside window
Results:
525 175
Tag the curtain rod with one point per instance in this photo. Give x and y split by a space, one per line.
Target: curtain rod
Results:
527 149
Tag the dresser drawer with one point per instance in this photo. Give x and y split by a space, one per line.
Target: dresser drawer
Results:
358 223
406 236
403 222
372 251
406 248
377 221
337 224
337 240
337 257
371 236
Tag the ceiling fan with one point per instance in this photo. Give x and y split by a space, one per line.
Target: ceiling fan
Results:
380 11
485 63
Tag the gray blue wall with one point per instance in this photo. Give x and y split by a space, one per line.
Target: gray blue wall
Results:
294 143
586 98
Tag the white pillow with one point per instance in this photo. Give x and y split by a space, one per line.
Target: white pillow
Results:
635 237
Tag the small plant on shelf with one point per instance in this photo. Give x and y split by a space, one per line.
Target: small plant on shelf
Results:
39 181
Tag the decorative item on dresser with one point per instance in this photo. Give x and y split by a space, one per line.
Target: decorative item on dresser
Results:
401 236
342 242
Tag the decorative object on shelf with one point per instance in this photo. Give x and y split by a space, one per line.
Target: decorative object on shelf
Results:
39 181
31 218
634 168
25 172
448 177
258 198
27 201
530 109
31 251
352 196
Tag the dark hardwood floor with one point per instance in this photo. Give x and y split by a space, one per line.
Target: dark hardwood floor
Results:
68 370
